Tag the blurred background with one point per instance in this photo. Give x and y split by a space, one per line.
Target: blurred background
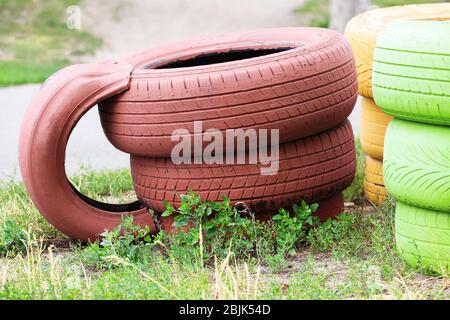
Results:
38 37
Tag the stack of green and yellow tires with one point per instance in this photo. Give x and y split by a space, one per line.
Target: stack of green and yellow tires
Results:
411 82
403 60
362 33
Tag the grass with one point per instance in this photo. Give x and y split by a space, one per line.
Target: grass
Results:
319 15
318 9
35 41
114 186
353 256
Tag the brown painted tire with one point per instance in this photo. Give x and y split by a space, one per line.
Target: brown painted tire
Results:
301 91
52 115
312 169
328 208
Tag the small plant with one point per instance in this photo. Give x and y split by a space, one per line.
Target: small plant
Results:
193 210
127 241
12 238
324 236
292 229
213 229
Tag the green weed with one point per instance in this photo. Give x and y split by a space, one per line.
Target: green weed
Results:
213 229
127 241
12 238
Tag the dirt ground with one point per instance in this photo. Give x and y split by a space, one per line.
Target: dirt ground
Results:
132 25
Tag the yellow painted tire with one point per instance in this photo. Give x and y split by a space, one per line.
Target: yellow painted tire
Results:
363 30
373 181
373 127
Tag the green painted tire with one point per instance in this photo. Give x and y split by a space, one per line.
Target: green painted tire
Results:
416 164
423 237
411 72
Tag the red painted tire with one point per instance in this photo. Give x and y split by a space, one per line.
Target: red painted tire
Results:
53 113
328 208
301 91
313 169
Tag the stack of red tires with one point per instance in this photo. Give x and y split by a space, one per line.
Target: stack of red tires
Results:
300 81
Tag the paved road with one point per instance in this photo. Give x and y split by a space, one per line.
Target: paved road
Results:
129 26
